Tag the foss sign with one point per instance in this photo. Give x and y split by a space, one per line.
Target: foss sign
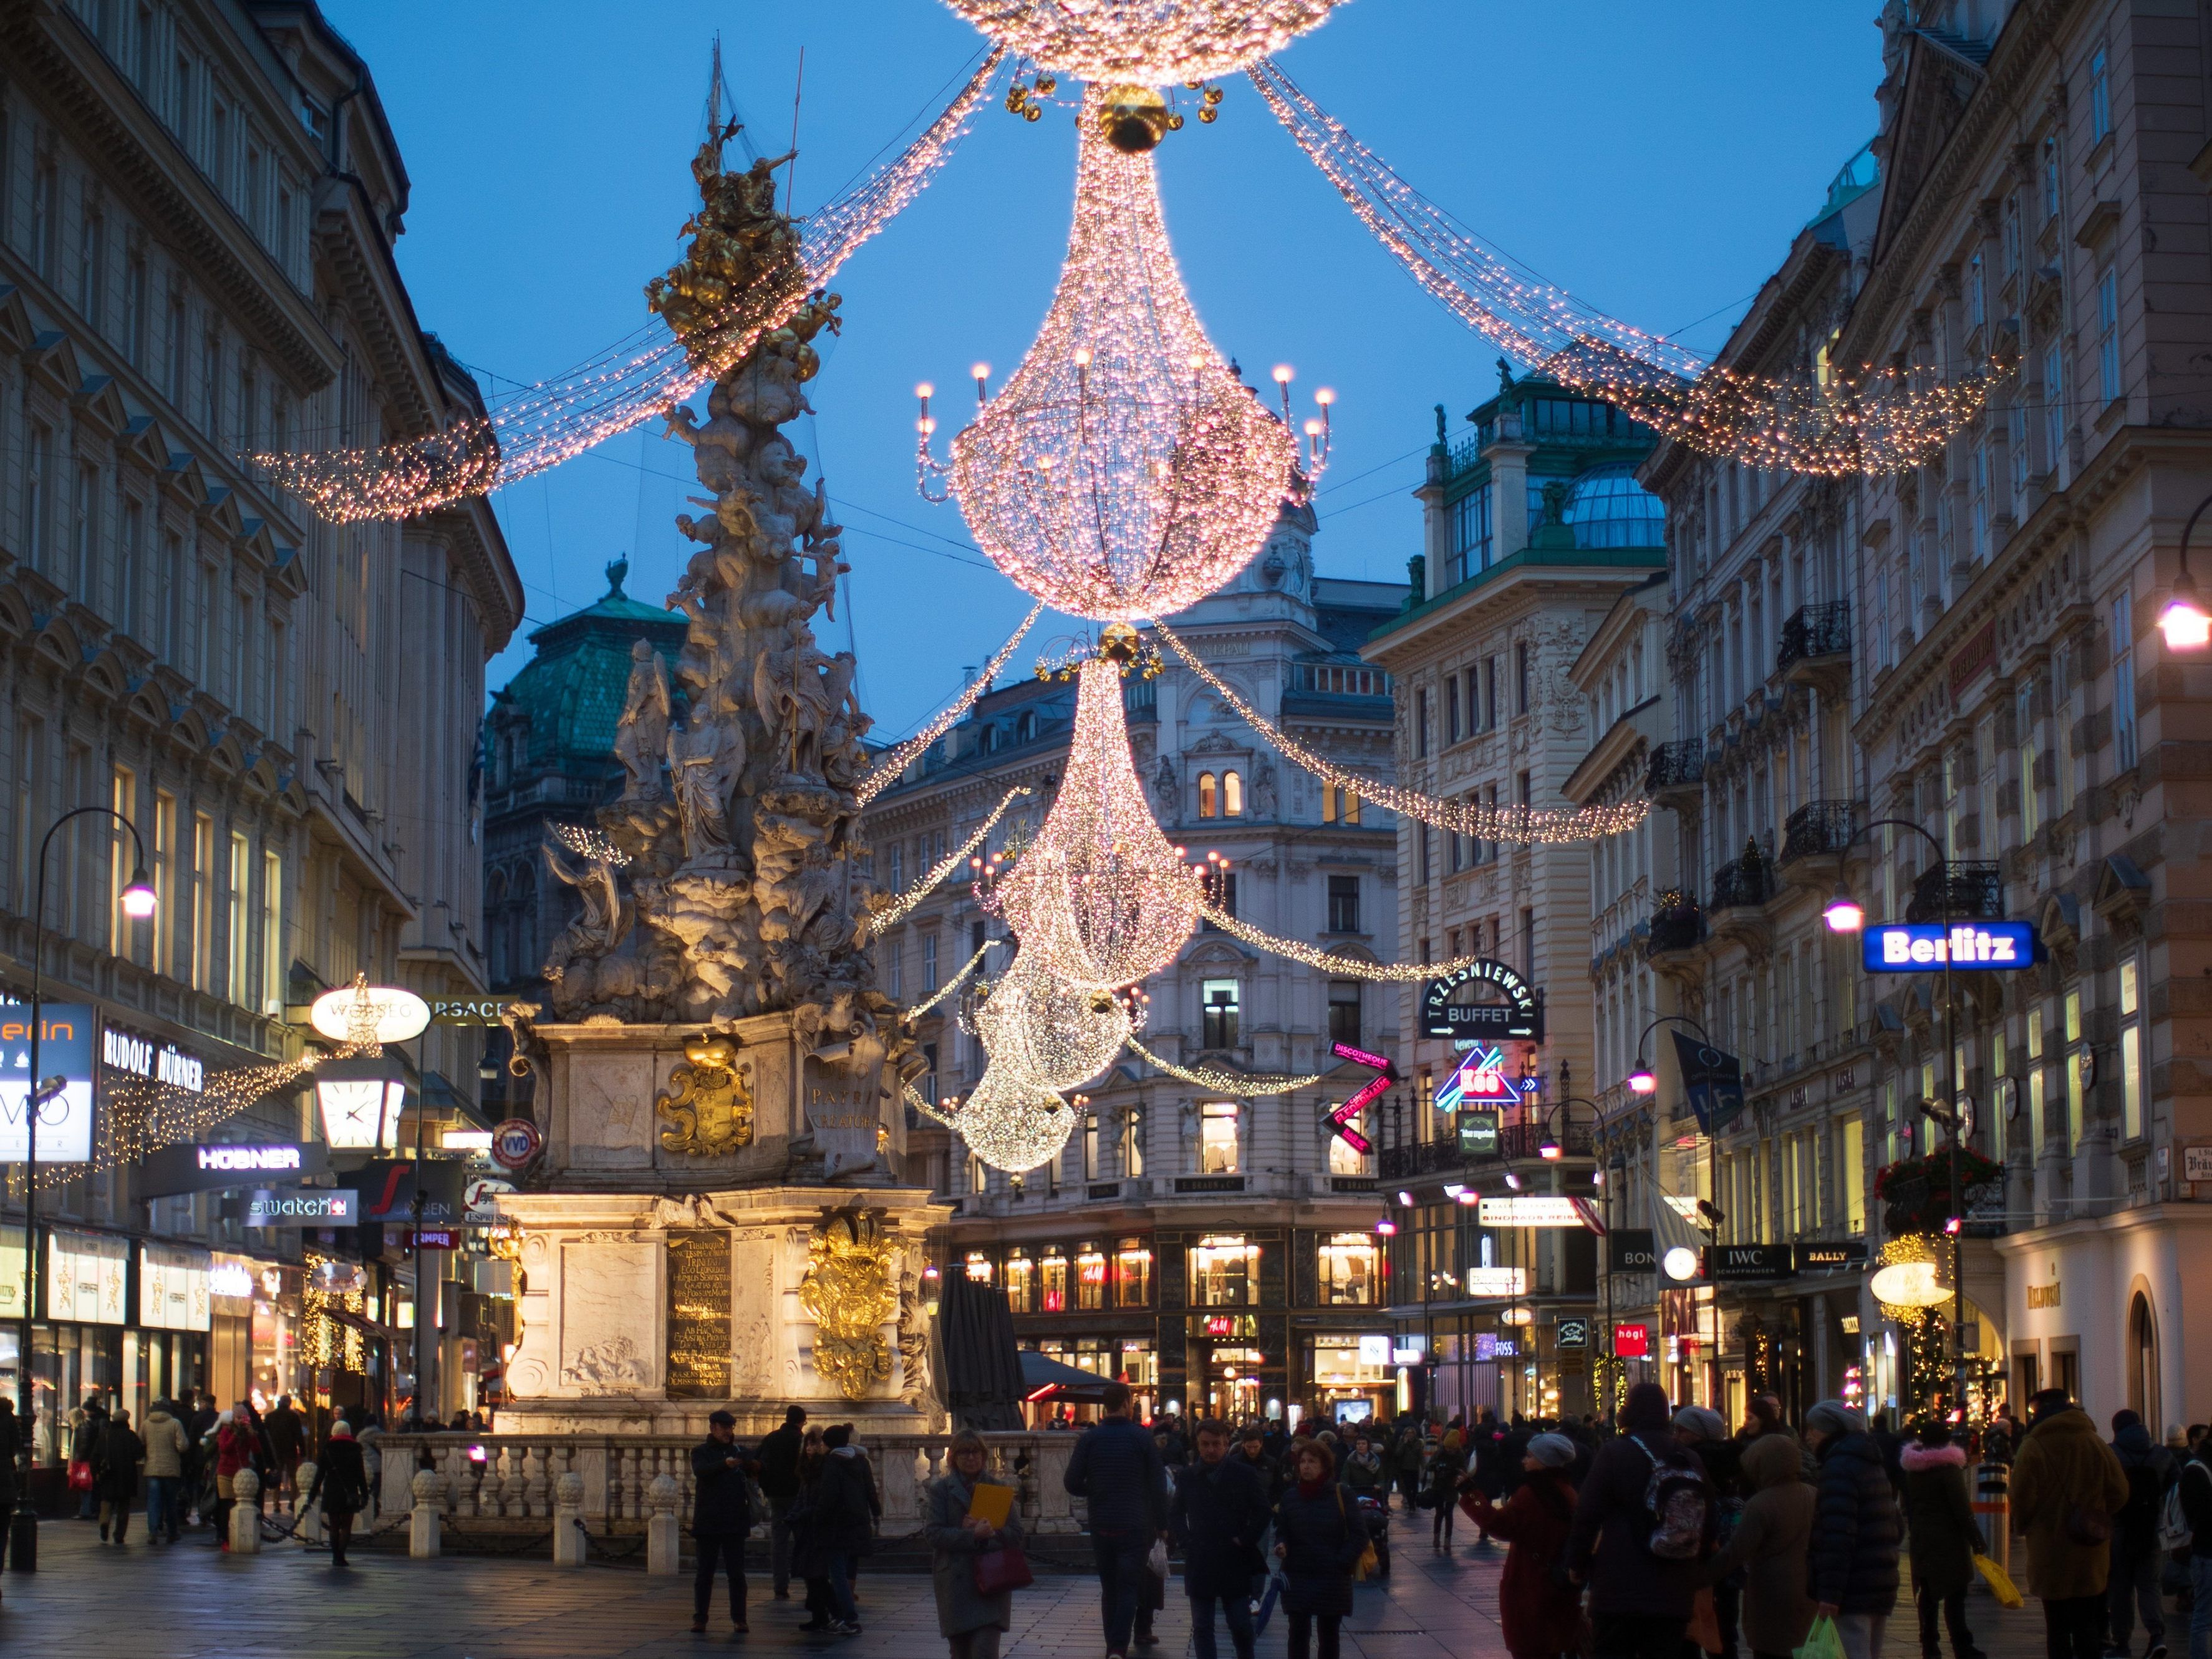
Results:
1912 947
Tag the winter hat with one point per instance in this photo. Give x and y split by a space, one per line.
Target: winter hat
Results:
1833 1416
1646 1408
341 1430
1705 1424
1553 1451
2124 1418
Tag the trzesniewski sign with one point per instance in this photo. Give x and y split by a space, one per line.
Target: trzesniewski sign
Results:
1913 947
1448 1007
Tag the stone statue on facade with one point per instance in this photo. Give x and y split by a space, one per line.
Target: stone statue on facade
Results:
642 733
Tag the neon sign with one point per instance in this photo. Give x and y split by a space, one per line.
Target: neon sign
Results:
1478 1085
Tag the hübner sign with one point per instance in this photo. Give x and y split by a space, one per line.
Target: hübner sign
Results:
125 1051
249 1157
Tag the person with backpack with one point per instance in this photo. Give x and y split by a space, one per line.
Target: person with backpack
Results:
1442 1480
1704 1432
1542 1616
1768 1548
2186 1518
1946 1537
2132 1579
1852 1572
1408 1457
2066 1487
1644 1524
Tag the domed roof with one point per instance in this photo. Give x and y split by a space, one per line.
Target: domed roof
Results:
572 690
1608 508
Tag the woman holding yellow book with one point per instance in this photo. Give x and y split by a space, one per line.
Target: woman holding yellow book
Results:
976 1543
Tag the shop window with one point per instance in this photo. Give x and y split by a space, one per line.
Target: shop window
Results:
1089 1279
979 1267
1350 1269
1218 1013
1021 1283
1052 1280
1209 802
1225 1271
1217 1138
1132 1273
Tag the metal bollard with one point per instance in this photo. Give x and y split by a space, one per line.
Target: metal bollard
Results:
1993 1509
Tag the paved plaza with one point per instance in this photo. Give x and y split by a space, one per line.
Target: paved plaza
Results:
90 1602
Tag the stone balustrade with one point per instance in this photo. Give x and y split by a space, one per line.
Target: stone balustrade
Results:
513 1482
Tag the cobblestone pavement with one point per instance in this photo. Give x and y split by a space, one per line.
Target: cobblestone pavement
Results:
94 1601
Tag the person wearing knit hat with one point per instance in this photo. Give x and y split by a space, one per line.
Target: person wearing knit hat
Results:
1542 1617
1852 1574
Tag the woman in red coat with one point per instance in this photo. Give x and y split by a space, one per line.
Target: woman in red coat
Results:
1541 1614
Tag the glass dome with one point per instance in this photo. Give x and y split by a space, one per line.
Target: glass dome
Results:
1609 508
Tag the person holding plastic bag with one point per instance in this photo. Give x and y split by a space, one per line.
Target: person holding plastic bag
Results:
1769 1547
1945 1538
1856 1529
1542 1616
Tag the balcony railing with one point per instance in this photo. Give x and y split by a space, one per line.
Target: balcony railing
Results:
1816 630
1675 766
1748 880
1675 927
1976 892
1515 1140
1819 827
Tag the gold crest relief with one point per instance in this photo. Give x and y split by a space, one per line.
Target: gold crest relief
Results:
848 1294
711 1113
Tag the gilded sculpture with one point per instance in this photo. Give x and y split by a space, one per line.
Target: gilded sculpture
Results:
711 1113
850 1293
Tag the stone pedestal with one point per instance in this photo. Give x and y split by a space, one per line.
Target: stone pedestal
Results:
662 1542
570 1545
246 1513
424 1521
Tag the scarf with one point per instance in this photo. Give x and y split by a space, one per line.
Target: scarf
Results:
1312 1488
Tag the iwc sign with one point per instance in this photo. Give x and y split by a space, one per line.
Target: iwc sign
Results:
1453 1005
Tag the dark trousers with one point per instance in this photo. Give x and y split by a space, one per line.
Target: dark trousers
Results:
1120 1558
1954 1610
779 1543
1302 1624
2132 1585
1636 1636
714 1549
1440 1529
841 1588
340 1527
1728 1609
1409 1482
2073 1626
1236 1609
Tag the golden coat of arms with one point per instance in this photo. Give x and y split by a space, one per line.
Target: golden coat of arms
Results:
711 1113
849 1294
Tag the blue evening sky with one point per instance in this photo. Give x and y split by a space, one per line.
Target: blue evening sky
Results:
1654 160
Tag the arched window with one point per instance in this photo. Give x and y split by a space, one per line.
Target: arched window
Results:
1208 804
1025 726
2143 1362
1232 795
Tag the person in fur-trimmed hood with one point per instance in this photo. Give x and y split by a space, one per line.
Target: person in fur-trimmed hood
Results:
1944 1537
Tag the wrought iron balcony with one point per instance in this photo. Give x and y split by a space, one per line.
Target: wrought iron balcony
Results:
1815 631
1675 766
1819 827
1749 881
1678 926
1975 893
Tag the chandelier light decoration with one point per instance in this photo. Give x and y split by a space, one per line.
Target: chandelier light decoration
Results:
1876 421
1149 43
1011 1121
1100 896
1520 825
885 772
1034 1027
1124 470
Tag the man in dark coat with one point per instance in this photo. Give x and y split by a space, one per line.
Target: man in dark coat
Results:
85 1438
779 1484
843 1523
721 1516
1640 1602
1852 1562
1116 1468
2136 1557
287 1438
1218 1514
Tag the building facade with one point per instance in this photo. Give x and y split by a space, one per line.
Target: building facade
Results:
197 204
1534 528
1216 1252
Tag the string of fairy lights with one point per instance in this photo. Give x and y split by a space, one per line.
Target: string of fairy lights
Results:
1518 825
900 908
1314 956
1245 1086
885 772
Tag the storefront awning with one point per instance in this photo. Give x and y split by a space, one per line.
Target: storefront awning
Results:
1043 1377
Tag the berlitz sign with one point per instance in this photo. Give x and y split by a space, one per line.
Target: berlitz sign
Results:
1912 947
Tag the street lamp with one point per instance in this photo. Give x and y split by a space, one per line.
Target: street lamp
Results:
138 901
1844 914
2184 621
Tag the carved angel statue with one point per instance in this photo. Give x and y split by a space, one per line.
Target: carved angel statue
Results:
1263 791
605 917
704 760
641 733
1167 789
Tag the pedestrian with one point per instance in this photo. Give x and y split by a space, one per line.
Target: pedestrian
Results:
1769 1547
287 1437
1319 1539
1219 1515
87 1430
1408 1459
1445 1473
1703 1433
1542 1616
1253 1450
166 1450
721 1516
969 1618
1856 1528
808 1561
2066 1487
2132 1580
11 1448
1763 1416
341 1484
1363 1471
368 1435
1118 1469
778 1455
1642 1569
234 1447
2195 1488
844 1510
121 1454
1946 1537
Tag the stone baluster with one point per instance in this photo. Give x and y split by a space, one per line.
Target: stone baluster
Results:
307 1517
516 1495
633 1485
1049 1455
662 1540
245 1514
534 1483
462 1474
423 1520
570 1544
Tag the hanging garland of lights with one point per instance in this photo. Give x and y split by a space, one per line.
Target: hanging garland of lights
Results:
645 375
885 772
594 844
1520 825
1151 42
1315 957
900 908
1876 421
1124 470
952 985
1245 1086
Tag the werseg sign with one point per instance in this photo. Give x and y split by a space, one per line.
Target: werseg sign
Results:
1913 947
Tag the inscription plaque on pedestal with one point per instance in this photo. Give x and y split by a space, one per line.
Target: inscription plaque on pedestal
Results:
842 1110
699 1313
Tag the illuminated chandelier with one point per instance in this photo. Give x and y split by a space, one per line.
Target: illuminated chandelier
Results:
1153 43
1100 900
1012 1122
1124 471
1034 1026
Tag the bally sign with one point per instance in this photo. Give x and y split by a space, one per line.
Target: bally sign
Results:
141 1056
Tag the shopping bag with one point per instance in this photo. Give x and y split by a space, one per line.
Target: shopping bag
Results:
1268 1597
2000 1582
1705 1622
1003 1569
1156 1563
1823 1641
80 1475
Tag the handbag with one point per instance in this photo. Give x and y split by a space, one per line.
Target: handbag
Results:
1368 1562
2086 1525
1002 1568
79 1474
1705 1621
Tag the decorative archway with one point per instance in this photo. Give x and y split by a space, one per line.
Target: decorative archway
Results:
2142 1363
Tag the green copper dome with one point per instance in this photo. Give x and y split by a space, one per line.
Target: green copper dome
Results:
563 705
